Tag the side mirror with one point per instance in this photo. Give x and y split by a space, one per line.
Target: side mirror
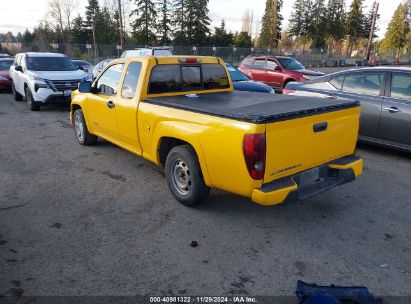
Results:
85 87
277 68
18 68
79 67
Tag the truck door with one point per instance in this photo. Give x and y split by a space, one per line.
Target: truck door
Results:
102 104
257 72
396 110
127 106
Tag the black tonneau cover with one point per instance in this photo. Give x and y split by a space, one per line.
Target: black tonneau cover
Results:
253 107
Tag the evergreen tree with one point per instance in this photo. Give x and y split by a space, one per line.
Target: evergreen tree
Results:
179 22
335 21
92 10
163 26
297 26
317 26
271 24
78 32
242 39
105 27
354 24
221 37
19 37
398 29
28 38
145 23
198 22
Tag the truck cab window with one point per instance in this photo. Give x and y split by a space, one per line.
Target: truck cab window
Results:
191 77
165 79
131 79
108 82
168 78
214 77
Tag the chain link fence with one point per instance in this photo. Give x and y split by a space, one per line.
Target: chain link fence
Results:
231 55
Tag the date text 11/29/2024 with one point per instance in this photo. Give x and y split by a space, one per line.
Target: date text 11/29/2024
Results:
205 299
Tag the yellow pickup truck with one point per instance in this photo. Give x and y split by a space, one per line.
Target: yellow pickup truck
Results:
182 113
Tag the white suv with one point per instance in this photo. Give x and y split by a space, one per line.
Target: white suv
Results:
44 78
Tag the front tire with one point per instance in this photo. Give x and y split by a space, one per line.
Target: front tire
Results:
17 96
84 137
30 101
184 176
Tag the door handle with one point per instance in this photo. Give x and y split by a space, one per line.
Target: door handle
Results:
320 127
110 104
392 110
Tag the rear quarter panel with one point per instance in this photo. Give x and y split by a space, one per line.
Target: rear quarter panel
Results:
217 141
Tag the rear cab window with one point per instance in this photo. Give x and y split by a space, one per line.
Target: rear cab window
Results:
169 78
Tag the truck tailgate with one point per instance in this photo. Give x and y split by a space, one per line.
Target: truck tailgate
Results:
305 142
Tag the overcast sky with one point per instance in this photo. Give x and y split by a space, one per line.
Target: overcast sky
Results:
16 15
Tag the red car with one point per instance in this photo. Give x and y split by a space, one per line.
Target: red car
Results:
5 79
276 71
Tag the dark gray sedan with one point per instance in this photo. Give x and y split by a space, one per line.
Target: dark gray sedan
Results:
385 96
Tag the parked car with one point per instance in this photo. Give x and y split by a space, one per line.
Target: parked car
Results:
241 82
385 96
85 66
182 113
154 51
276 71
44 78
100 66
5 79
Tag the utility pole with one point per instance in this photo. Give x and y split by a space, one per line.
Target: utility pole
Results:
374 19
120 19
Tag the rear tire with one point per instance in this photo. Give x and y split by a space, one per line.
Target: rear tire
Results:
84 137
17 96
30 101
184 176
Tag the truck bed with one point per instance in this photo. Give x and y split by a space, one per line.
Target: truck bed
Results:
258 108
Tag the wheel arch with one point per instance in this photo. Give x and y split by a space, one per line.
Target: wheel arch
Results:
287 81
77 106
167 142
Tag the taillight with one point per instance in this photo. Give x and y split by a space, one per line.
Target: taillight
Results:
288 91
254 154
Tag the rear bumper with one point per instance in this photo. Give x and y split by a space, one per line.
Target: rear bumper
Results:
292 188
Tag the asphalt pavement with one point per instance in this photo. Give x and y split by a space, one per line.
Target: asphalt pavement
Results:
99 220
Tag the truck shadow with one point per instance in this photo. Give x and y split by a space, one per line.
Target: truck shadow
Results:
232 206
